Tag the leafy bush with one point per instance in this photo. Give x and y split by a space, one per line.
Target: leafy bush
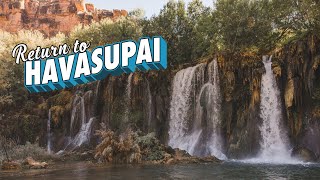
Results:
117 149
151 147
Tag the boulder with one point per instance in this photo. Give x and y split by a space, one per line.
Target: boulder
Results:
304 154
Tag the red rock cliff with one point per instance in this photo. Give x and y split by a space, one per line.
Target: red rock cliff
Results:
50 16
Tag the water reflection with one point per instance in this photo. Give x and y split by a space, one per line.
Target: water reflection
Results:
227 170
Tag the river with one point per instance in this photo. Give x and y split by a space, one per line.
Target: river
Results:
226 170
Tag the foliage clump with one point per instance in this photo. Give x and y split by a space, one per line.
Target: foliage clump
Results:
10 150
106 31
20 119
128 147
152 149
118 149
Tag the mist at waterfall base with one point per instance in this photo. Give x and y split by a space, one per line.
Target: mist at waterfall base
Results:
195 116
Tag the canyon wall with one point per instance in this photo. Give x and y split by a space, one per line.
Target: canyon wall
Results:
50 16
143 101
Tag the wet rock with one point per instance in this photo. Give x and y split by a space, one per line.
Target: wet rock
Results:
310 137
210 159
181 153
304 154
193 160
182 157
10 165
170 161
169 150
289 93
32 164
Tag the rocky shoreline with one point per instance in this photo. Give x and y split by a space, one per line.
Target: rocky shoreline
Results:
129 149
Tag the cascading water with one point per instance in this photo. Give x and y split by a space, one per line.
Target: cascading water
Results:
149 109
49 132
214 109
128 97
199 132
79 110
84 134
74 111
179 107
274 141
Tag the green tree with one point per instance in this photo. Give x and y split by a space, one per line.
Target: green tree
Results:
107 31
18 112
201 21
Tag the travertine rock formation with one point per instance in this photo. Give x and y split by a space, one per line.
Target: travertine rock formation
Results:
50 16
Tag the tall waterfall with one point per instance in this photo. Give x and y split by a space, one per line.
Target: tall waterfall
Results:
179 137
195 111
274 140
49 132
214 110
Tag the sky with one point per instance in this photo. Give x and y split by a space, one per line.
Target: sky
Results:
150 6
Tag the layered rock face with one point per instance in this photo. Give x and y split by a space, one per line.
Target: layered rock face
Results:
142 101
50 16
298 74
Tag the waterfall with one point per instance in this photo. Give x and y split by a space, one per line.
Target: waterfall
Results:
195 111
274 140
84 134
74 111
128 98
179 107
214 111
81 114
149 109
49 132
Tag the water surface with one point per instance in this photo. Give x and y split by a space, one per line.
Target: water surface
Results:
227 170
